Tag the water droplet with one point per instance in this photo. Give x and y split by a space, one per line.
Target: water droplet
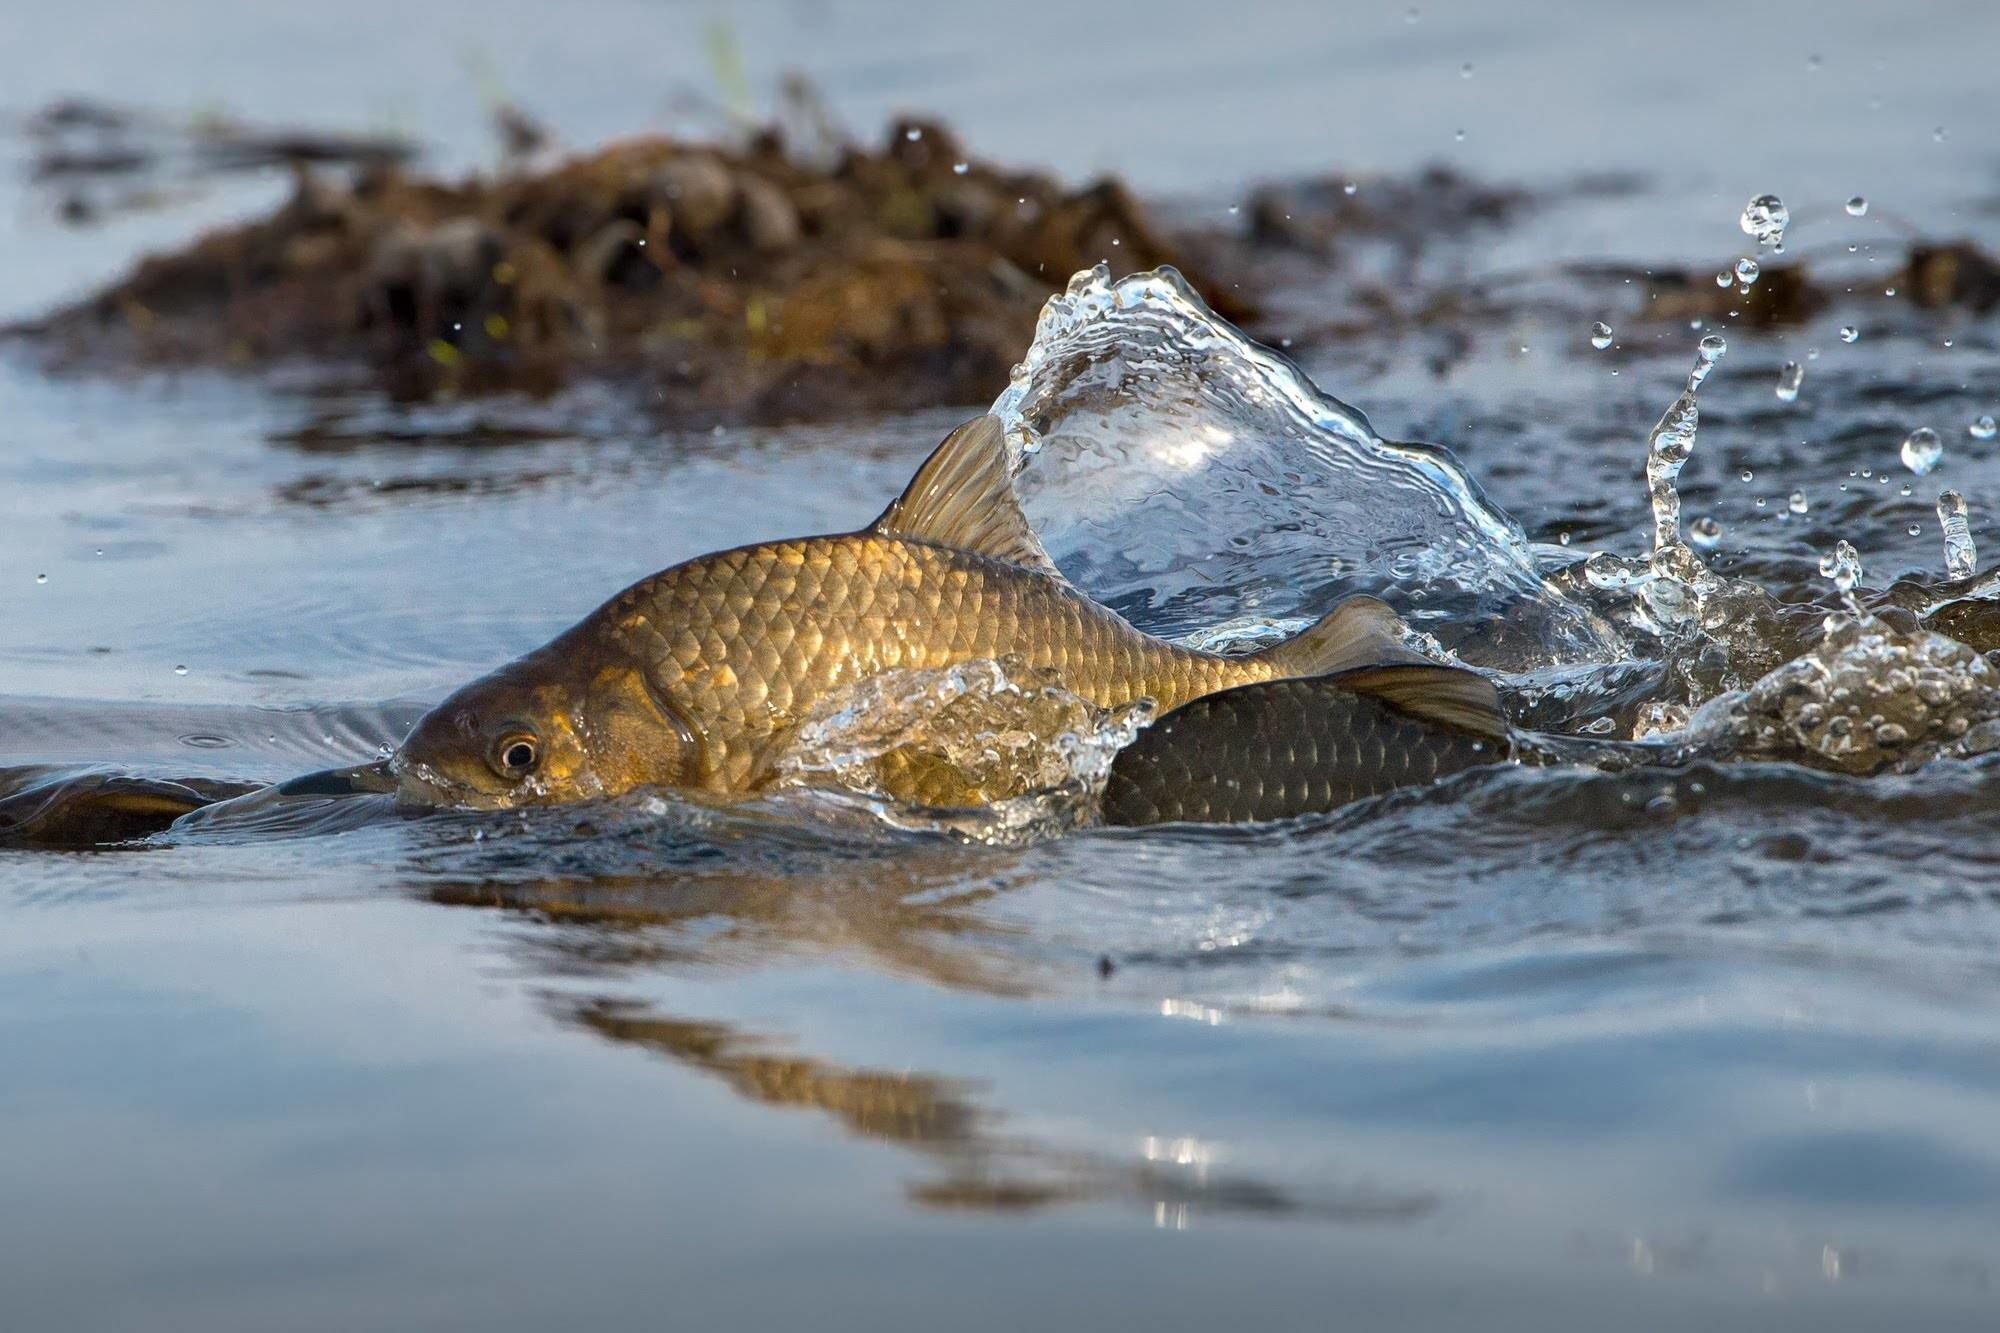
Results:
1747 475
1458 135
1789 380
1747 271
1842 565
1349 188
1848 333
1705 532
1915 529
1563 538
1465 70
1813 62
41 578
1984 428
1961 557
1765 217
1600 335
1922 449
1725 279
1857 207
960 168
1906 490
1937 135
180 670
913 134
1411 15
1798 503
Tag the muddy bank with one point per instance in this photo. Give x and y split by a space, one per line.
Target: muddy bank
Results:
767 280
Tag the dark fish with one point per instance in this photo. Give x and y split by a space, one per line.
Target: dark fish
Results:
1294 747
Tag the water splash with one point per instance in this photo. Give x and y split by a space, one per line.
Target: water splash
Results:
1878 692
1679 578
1961 557
980 733
1196 481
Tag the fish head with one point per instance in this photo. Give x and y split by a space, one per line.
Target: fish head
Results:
556 726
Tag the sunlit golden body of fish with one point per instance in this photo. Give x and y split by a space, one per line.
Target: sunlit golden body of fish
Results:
695 677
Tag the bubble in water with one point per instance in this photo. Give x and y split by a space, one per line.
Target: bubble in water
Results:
1797 502
1747 271
1961 557
1848 333
1857 207
1843 565
1765 218
1705 532
1789 380
180 670
1985 428
1600 335
1922 449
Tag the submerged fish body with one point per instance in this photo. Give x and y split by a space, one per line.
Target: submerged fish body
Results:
1295 747
694 677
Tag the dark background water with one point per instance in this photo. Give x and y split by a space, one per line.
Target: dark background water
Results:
1538 1050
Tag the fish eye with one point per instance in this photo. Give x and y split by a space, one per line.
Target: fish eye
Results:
515 755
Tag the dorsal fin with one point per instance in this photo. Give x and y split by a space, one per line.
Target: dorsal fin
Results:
1361 631
1446 695
962 497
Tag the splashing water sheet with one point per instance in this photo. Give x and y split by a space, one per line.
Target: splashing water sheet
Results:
1687 1021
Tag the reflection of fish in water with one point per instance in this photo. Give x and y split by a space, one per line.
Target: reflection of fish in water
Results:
1293 747
694 677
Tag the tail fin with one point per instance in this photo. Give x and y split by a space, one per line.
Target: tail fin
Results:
1360 632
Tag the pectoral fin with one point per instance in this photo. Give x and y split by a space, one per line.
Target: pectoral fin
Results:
1445 695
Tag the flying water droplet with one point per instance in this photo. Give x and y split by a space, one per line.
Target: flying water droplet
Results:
1747 272
1961 557
1922 449
1798 503
1765 217
1857 207
1789 380
1725 279
1848 333
41 578
1465 70
1600 335
180 670
913 134
960 168
1842 565
1747 475
1984 428
1705 532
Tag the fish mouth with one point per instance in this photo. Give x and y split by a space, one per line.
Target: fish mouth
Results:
358 780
